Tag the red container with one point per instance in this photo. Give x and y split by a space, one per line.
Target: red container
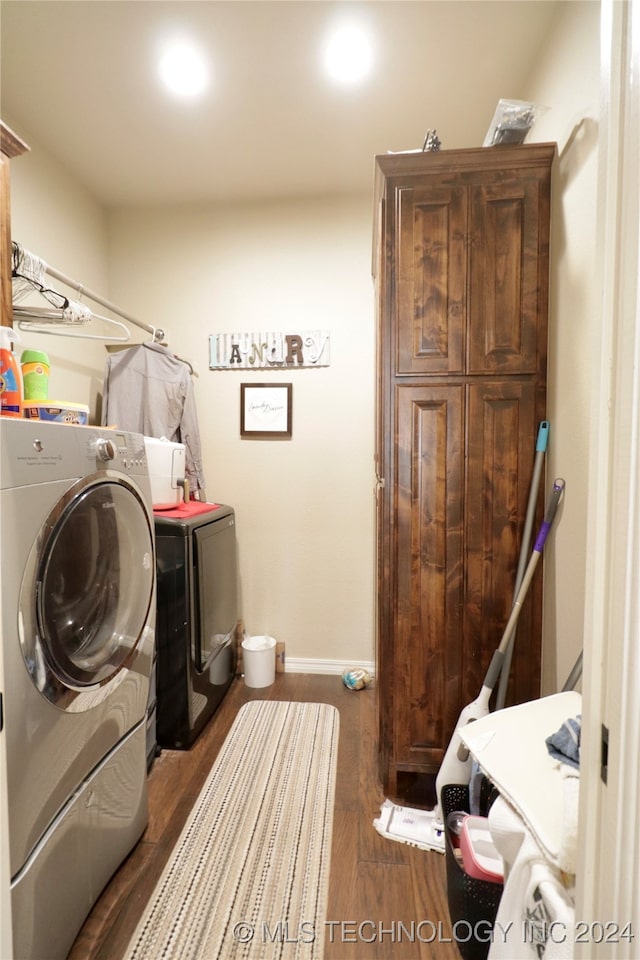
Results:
480 858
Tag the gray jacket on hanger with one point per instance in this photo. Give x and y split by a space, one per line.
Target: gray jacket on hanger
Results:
148 390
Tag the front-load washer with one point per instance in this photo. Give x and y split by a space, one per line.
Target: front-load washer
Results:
78 619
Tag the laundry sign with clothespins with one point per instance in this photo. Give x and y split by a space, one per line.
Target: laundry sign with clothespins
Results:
254 351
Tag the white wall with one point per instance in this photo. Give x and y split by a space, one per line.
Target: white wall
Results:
304 506
54 217
305 516
567 81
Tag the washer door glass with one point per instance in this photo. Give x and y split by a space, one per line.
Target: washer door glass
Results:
95 584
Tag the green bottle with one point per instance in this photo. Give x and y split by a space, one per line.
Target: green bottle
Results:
35 374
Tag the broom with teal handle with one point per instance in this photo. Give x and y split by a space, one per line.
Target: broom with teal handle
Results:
542 441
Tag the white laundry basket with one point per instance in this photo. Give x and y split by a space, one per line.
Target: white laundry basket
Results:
259 660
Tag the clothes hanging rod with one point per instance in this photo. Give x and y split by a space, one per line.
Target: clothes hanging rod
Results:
158 334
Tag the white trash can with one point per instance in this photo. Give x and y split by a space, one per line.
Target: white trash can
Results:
259 660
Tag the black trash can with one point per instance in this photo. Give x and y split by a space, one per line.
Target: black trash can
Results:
473 904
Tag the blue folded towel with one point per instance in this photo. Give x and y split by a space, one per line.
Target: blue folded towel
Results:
564 744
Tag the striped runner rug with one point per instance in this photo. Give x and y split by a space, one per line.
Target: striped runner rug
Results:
249 875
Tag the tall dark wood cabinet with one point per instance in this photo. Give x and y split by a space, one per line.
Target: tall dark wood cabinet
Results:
461 259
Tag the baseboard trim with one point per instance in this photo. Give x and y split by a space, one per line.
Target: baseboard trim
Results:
331 667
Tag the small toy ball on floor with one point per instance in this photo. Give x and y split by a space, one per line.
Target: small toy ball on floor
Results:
356 679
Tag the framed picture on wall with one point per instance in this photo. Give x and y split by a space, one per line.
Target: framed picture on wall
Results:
265 410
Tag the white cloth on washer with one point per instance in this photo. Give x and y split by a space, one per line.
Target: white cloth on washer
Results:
148 390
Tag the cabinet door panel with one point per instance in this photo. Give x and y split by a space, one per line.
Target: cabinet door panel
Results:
431 278
507 290
428 569
499 469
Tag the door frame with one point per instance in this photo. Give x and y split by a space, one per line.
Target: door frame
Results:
608 884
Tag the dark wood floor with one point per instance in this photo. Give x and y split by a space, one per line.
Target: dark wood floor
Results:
386 899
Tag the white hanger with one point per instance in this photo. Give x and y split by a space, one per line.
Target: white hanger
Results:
43 320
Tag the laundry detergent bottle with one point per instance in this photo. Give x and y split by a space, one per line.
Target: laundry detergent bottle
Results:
10 374
35 375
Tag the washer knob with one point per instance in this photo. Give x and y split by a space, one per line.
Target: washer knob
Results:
106 449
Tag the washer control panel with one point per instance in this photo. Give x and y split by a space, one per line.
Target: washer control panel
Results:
34 451
124 451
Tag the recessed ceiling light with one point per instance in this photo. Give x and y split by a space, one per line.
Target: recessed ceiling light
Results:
348 56
183 69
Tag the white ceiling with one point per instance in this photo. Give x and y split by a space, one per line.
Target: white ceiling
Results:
78 77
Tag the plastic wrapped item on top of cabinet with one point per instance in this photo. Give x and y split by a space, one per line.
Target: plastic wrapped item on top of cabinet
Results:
512 121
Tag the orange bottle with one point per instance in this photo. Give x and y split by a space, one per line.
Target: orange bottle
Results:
10 374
